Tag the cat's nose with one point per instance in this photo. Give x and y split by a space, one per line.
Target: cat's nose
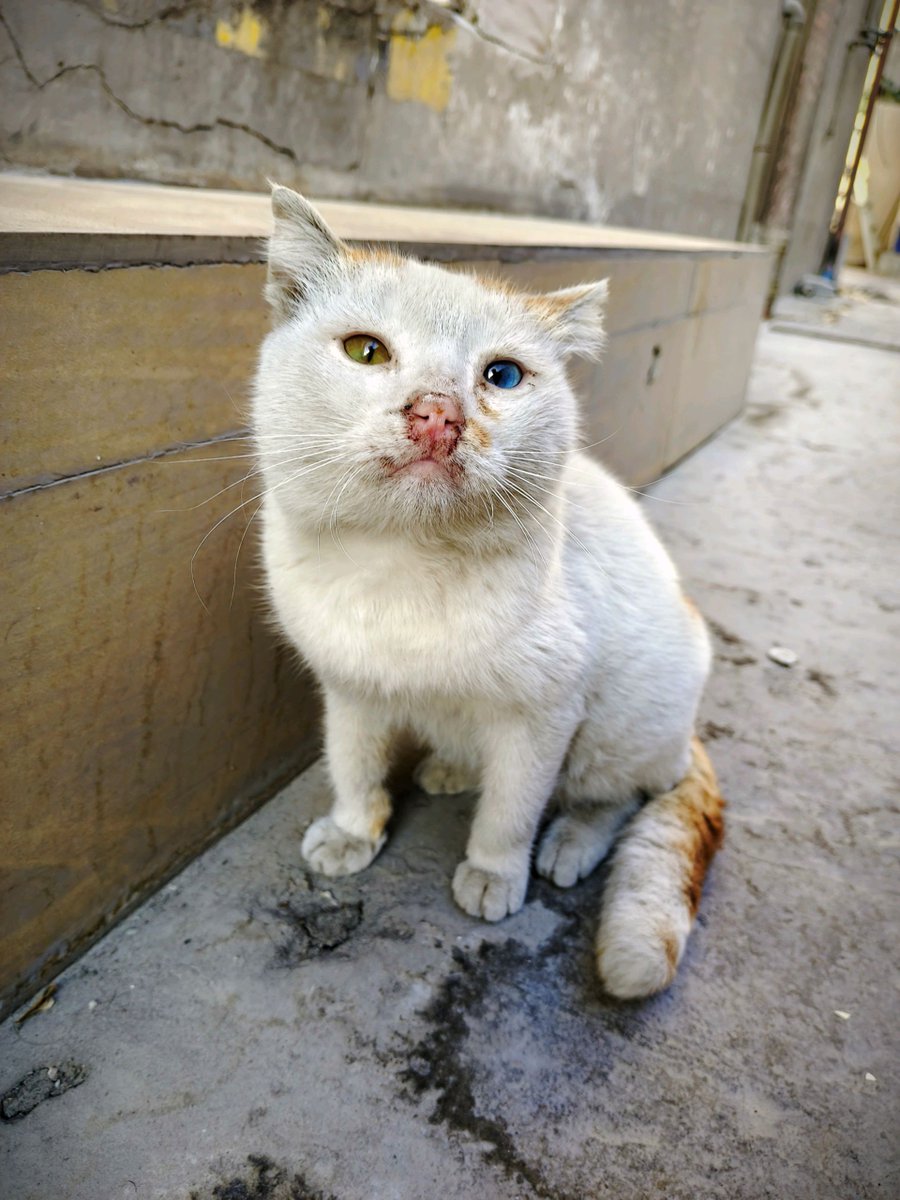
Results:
437 419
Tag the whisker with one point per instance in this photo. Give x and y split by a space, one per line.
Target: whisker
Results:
528 536
547 491
321 521
231 457
608 438
259 496
332 524
536 474
238 554
236 482
659 499
562 525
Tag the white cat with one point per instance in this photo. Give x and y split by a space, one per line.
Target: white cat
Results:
447 562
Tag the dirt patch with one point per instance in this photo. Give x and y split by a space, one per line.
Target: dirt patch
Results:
724 635
738 660
261 1179
712 731
822 680
43 1083
761 414
315 923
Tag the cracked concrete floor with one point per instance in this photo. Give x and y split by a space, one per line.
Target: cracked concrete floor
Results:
253 1033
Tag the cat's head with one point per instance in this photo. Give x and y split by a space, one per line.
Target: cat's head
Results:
393 392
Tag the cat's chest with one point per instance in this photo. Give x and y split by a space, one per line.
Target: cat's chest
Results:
392 621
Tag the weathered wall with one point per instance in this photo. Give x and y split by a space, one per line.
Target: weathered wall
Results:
632 112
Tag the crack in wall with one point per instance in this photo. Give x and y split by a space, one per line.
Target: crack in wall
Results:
172 13
150 456
470 24
163 122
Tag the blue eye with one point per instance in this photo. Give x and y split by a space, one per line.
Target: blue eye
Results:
503 373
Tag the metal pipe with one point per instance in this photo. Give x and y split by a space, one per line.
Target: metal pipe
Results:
780 85
880 47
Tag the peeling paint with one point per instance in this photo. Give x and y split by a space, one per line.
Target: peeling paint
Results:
418 67
245 35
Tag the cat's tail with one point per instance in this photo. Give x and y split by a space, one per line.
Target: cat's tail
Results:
655 883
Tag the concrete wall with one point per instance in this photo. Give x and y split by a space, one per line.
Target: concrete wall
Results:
633 112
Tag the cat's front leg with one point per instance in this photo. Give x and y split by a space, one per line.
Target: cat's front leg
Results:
357 745
521 765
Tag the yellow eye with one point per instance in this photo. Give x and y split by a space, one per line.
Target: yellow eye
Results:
363 348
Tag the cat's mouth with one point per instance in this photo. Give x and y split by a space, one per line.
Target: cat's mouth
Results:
427 467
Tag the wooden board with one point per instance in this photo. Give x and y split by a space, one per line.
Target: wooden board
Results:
137 723
107 366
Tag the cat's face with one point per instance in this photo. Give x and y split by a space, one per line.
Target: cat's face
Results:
392 392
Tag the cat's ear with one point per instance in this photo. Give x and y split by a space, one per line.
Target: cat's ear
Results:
303 251
574 316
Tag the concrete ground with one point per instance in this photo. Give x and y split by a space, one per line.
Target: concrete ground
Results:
253 1032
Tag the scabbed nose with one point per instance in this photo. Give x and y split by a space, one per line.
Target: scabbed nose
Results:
437 420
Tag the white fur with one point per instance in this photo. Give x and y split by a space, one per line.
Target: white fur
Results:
523 620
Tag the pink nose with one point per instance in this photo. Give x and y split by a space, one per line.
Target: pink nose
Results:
436 420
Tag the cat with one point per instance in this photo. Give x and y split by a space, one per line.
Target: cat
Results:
447 562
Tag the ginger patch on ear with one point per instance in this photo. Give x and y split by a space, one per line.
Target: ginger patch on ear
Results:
574 316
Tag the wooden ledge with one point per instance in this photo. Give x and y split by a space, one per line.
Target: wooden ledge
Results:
50 221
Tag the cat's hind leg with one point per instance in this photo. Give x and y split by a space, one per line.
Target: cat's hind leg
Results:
579 839
655 883
438 775
357 744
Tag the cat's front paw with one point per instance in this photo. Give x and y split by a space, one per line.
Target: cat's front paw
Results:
440 778
487 894
331 851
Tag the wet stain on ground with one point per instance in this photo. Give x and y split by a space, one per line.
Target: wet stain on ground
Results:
437 1062
261 1179
43 1083
558 976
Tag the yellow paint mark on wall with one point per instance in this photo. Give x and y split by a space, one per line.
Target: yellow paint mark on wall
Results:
111 6
244 35
418 67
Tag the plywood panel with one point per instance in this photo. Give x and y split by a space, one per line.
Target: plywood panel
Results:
137 723
101 367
